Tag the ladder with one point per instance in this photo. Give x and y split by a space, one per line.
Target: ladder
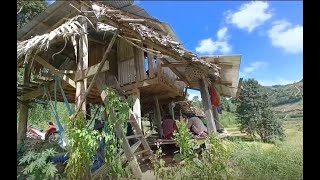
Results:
129 151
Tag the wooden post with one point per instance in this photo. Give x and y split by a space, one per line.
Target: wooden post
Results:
216 117
24 110
158 117
83 62
207 106
136 106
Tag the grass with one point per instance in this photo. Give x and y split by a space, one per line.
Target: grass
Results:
282 160
260 161
228 119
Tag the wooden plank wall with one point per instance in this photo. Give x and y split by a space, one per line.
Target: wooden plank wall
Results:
126 67
95 56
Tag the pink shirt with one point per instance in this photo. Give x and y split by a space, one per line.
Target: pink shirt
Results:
197 125
168 125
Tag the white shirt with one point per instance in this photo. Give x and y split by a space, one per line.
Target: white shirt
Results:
197 125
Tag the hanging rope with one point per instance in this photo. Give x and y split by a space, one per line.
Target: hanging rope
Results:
60 131
64 97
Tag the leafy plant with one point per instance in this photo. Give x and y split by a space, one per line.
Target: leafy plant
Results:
112 156
184 140
118 110
213 163
83 145
38 165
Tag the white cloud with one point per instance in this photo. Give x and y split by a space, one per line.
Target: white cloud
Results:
250 15
222 34
286 36
279 81
253 67
193 93
209 46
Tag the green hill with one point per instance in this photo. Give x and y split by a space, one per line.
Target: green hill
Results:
287 100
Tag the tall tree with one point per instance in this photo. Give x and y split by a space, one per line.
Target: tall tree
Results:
26 10
254 113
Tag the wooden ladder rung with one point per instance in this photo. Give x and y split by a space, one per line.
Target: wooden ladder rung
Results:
141 152
134 136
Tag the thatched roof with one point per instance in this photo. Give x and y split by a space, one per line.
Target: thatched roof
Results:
130 28
187 107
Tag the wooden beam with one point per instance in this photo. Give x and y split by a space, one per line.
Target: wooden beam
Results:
181 76
55 71
207 106
38 92
83 63
146 82
175 65
91 71
131 20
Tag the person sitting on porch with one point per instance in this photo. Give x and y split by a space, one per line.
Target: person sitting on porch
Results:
168 126
196 125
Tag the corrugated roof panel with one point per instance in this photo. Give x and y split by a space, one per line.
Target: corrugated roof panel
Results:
118 3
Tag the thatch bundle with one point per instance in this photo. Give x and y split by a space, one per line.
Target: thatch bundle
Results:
70 29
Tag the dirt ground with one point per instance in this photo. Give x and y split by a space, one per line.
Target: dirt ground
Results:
168 151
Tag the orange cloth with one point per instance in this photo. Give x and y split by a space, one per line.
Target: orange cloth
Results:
215 100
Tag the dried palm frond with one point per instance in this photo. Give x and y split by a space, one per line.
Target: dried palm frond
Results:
31 47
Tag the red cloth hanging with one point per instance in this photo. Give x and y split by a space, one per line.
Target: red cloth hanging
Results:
215 100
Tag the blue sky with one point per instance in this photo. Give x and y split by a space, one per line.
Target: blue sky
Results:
268 35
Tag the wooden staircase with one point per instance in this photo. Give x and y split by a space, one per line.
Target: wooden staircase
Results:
131 155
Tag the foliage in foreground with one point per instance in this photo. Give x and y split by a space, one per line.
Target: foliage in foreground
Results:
210 165
38 165
82 146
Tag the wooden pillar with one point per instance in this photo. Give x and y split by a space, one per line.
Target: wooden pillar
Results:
207 106
83 62
139 63
24 110
158 117
137 106
216 117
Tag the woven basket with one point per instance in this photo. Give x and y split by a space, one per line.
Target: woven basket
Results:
194 73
